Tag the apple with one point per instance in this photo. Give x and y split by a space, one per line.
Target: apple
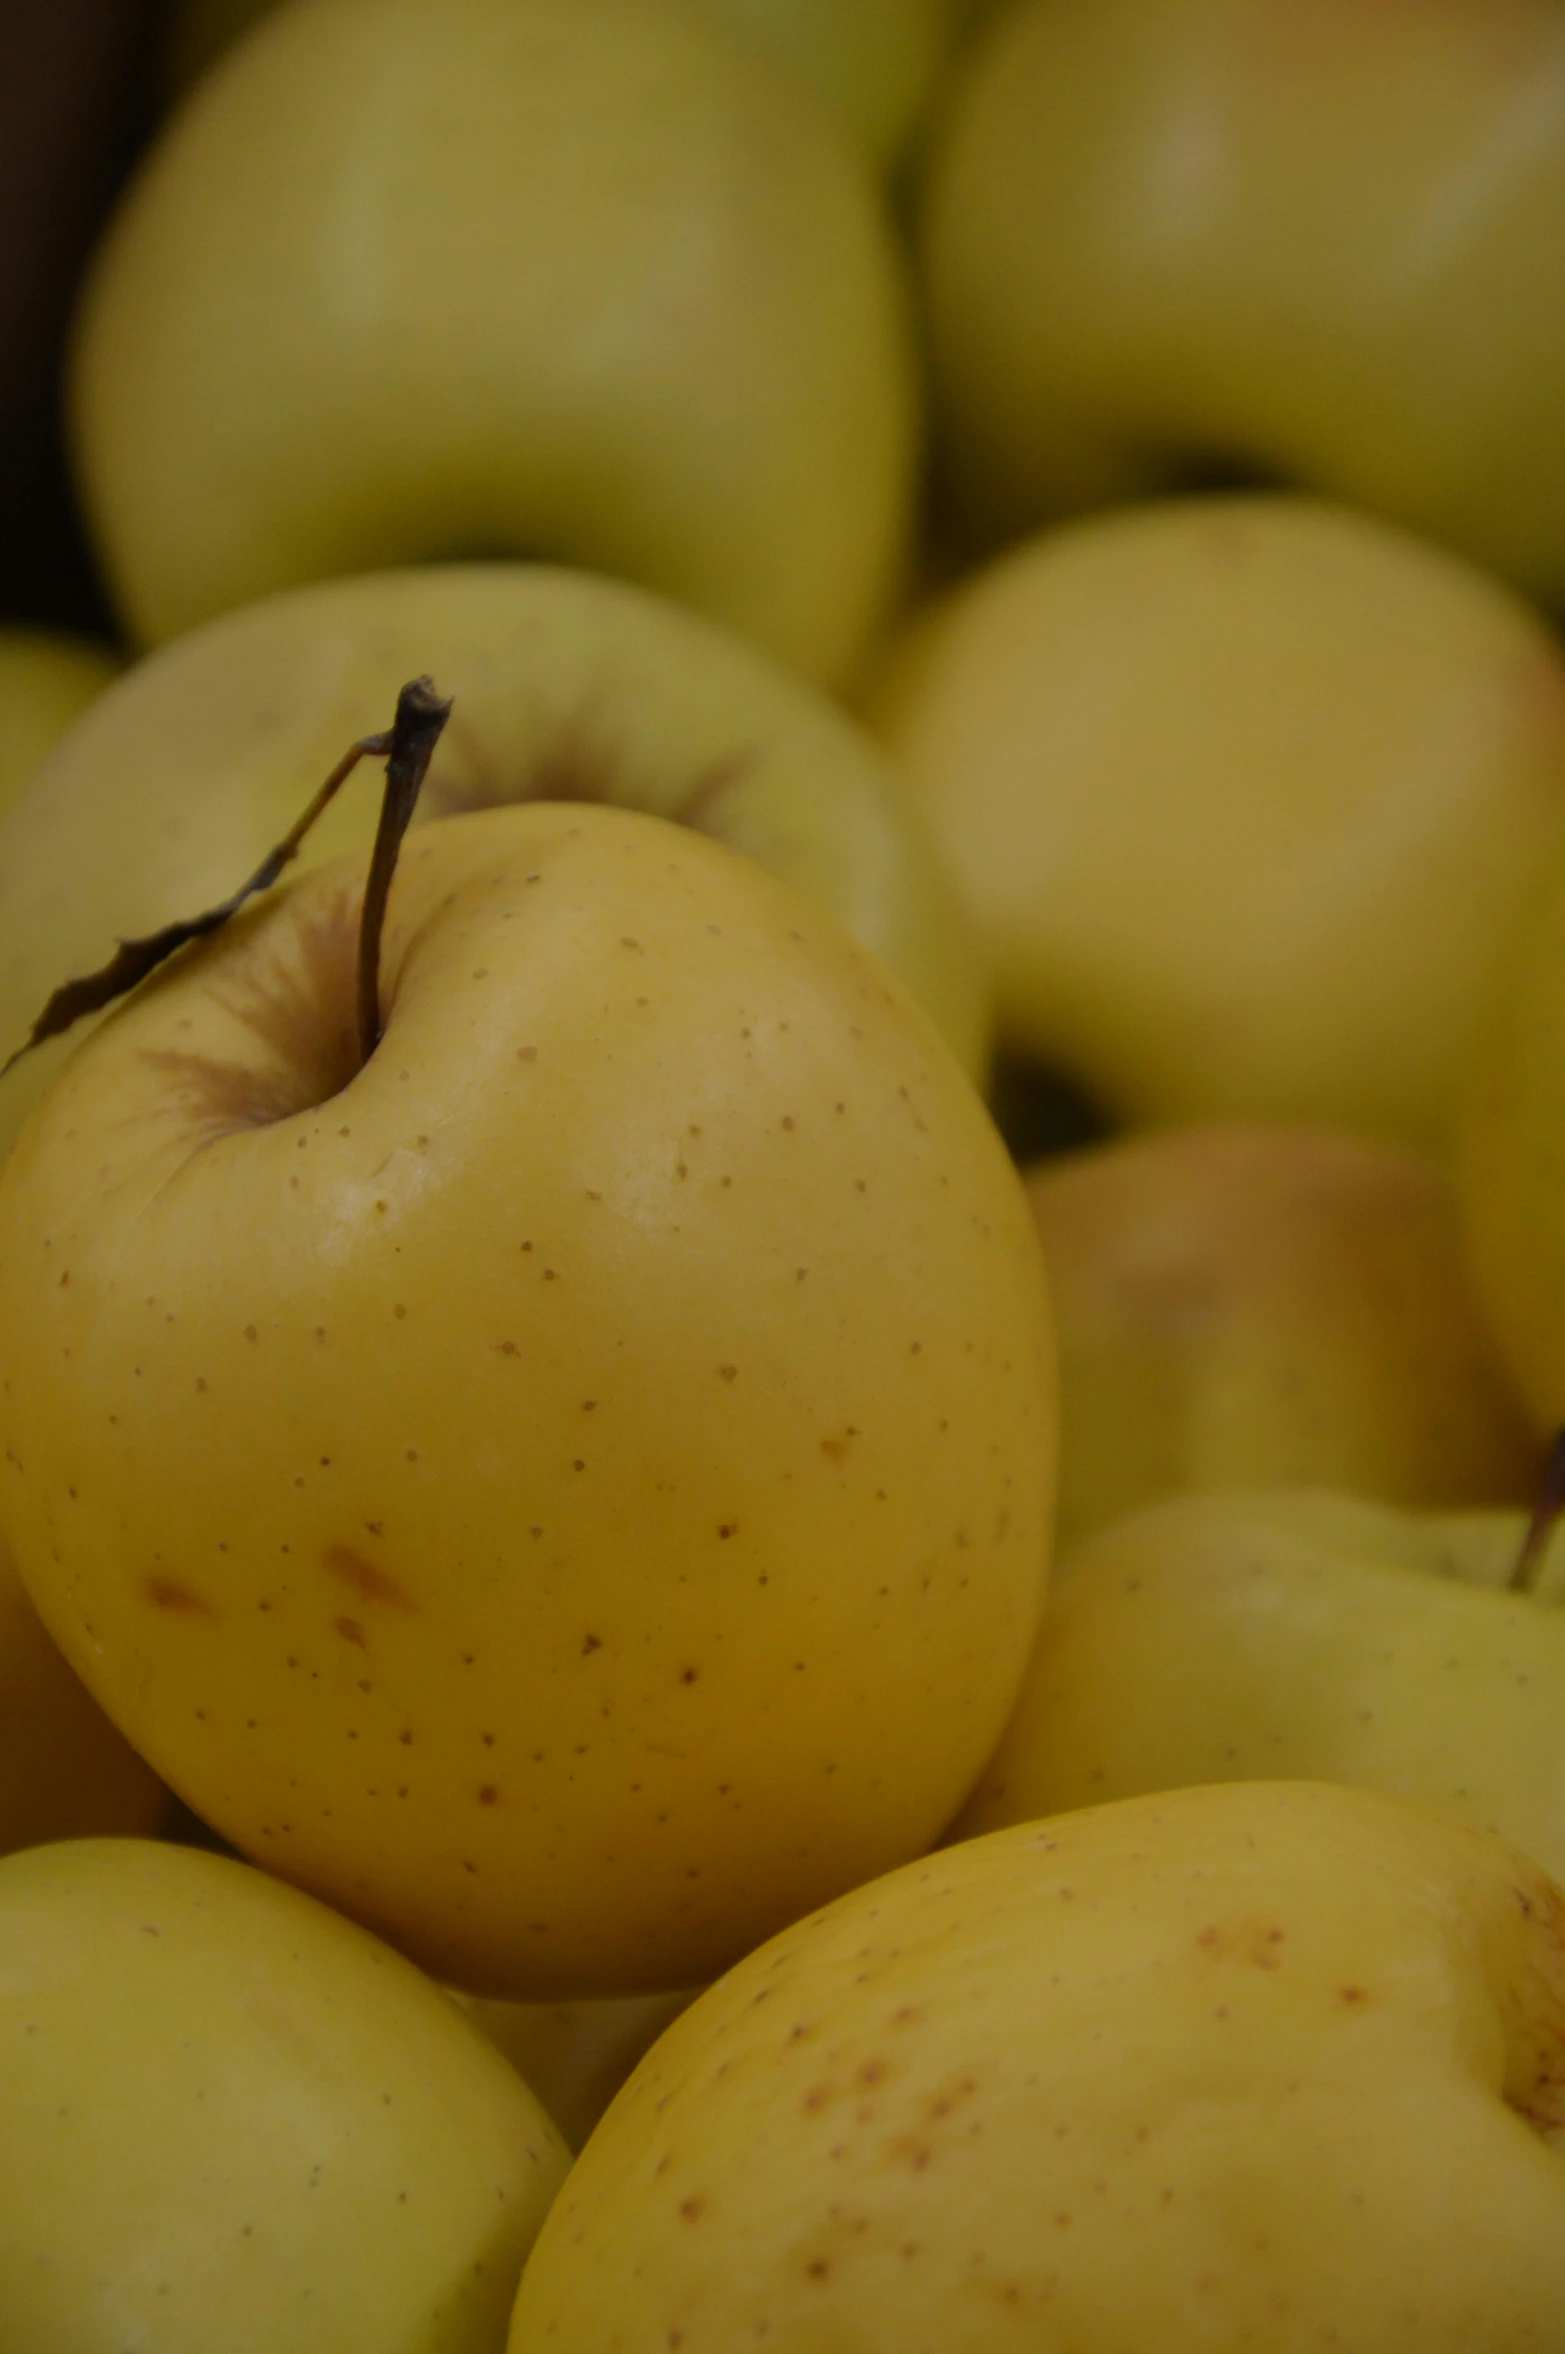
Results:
565 684
573 1490
1308 239
582 279
231 2119
47 677
1258 1304
1267 2066
876 62
1309 1635
1244 794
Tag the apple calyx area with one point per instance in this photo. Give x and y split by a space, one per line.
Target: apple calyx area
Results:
407 747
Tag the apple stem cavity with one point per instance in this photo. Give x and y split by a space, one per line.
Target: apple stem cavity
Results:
1549 1504
407 747
415 731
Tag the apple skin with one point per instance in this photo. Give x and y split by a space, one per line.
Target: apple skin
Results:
1274 2066
1262 1305
1295 1635
581 279
565 684
876 62
232 2119
1244 795
614 1426
47 678
1314 240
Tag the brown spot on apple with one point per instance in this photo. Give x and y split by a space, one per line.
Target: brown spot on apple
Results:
369 1583
166 1593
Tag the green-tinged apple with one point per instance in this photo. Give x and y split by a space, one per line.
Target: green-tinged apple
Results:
65 1771
47 677
1302 1635
566 686
1312 240
585 279
876 61
575 2056
572 1489
1261 1305
232 2119
1244 794
1510 1179
1274 2066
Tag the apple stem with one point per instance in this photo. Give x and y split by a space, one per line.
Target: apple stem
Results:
415 731
1545 1515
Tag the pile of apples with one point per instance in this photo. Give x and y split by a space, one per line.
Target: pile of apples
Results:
657 1692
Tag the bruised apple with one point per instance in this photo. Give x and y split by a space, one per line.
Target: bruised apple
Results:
573 1488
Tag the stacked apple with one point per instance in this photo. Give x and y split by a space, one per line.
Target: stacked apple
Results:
533 1403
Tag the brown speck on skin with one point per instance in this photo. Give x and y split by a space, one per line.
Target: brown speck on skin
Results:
488 1795
729 1372
692 2209
688 1675
1353 1997
589 1644
166 1593
364 1579
250 1332
350 1631
728 1528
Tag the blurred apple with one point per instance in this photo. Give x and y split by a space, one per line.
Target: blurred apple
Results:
875 61
1263 1305
581 279
1271 2067
233 2120
1244 794
573 1489
47 677
566 687
1309 239
1308 1636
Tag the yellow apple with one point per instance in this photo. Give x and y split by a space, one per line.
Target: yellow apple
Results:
585 279
1510 1181
1309 1635
47 677
231 2119
574 1490
1275 2066
1315 240
875 61
565 685
1247 1305
1243 794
